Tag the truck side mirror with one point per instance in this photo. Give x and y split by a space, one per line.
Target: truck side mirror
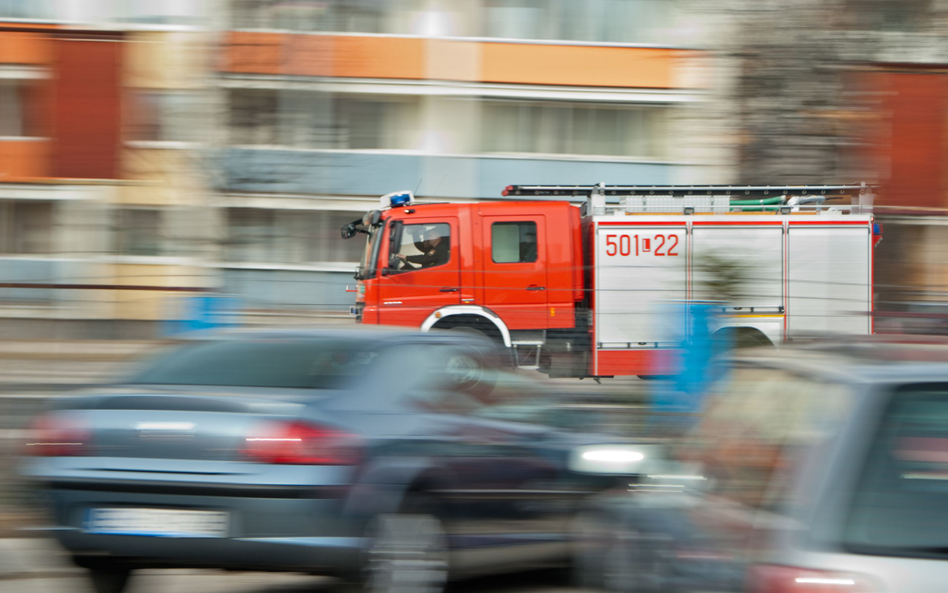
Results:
348 231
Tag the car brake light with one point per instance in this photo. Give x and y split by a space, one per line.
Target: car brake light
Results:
55 435
300 444
766 578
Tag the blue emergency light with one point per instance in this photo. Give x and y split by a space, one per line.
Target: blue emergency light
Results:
398 198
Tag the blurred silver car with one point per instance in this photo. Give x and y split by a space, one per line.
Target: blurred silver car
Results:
821 469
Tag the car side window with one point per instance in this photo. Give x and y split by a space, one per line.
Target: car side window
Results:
513 242
757 426
445 378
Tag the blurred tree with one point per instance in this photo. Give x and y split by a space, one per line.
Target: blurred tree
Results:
721 278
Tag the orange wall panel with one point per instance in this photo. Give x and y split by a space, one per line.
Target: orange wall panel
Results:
252 53
379 57
526 63
23 160
412 58
348 56
25 48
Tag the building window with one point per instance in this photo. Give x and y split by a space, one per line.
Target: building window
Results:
289 236
139 232
26 227
27 9
612 21
574 129
357 16
19 108
164 116
318 120
163 12
513 242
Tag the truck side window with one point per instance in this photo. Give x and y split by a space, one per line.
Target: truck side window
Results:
424 246
513 242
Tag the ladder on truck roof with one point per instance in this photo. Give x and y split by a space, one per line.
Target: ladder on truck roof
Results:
689 199
735 191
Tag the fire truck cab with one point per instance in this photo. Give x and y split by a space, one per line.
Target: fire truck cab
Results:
576 289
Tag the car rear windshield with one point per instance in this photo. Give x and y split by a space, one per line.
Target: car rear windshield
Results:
290 363
901 504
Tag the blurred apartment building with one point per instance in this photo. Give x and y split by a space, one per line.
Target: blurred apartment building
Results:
331 104
151 149
100 132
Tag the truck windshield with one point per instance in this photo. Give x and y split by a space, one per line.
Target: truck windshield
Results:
365 265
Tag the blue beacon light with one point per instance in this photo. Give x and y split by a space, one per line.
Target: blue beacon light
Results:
397 199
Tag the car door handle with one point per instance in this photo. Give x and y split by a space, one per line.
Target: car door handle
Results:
447 289
535 287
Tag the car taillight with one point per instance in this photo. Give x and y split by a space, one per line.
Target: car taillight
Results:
767 578
57 435
300 443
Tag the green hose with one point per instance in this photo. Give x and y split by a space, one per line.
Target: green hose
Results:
761 202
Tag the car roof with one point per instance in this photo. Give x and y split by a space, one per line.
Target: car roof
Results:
866 360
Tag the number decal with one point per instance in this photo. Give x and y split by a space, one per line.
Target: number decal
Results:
659 245
664 245
610 242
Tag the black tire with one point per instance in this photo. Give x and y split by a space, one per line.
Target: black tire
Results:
109 579
729 339
635 563
467 329
407 550
590 535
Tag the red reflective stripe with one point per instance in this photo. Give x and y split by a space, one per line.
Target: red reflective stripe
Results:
641 223
737 222
816 222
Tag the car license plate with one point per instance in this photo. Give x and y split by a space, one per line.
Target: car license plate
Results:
157 522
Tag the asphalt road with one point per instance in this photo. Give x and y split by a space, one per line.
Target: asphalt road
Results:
200 581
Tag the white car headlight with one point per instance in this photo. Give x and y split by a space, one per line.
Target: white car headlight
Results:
609 459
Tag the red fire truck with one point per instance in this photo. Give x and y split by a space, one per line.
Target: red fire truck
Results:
578 290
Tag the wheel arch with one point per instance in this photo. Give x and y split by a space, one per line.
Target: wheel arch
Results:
441 319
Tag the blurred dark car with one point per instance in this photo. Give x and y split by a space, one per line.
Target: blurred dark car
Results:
821 468
369 455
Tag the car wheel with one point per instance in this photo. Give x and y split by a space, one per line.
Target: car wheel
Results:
109 579
407 551
633 563
590 534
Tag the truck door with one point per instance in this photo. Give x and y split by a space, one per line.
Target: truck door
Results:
428 272
515 270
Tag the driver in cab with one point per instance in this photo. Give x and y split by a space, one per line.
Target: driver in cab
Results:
434 252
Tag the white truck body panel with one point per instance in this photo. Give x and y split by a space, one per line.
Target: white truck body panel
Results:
829 280
628 286
804 273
